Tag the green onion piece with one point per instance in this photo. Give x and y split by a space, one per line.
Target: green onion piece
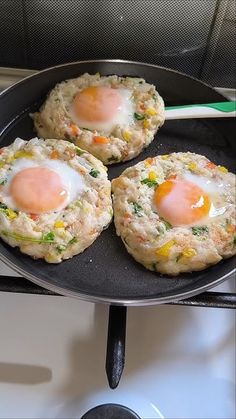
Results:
149 183
198 231
79 151
234 241
49 237
3 182
72 241
168 226
139 116
138 210
46 238
154 97
94 173
3 206
60 248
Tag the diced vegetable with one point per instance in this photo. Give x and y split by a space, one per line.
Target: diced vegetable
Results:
3 181
59 224
198 231
152 175
94 173
79 151
127 135
165 156
164 250
61 248
3 206
10 213
146 123
46 238
168 226
100 140
234 241
72 241
149 183
151 111
54 155
211 165
192 166
74 130
139 116
188 253
137 209
23 154
154 97
223 169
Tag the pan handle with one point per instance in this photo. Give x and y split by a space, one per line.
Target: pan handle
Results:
115 357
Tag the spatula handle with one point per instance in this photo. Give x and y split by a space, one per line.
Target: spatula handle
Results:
205 110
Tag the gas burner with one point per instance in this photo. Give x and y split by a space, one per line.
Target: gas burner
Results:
110 411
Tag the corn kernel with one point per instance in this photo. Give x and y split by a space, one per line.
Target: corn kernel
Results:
165 156
11 214
152 175
164 250
151 111
192 167
223 169
23 154
127 136
59 224
146 123
188 253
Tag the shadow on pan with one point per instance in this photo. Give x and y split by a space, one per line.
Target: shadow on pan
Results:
105 272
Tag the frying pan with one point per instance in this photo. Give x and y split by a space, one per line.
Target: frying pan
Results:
105 272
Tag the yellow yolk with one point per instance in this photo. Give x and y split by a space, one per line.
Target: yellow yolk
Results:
37 190
97 104
181 202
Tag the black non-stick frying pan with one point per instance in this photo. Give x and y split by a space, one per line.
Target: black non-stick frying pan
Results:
105 272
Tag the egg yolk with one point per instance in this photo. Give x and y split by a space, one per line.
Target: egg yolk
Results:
181 202
38 190
97 104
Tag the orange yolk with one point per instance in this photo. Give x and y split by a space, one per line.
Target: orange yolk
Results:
181 202
37 190
97 104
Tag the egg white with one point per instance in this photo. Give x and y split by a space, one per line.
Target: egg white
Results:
71 180
124 115
214 191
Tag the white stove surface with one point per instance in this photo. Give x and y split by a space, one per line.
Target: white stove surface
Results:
180 361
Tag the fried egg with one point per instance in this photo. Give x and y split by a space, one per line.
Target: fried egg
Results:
114 118
101 108
40 187
176 213
189 200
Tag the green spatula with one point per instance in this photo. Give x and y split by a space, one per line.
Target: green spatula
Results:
205 110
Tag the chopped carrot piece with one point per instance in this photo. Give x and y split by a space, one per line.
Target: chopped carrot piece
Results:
100 140
2 150
210 165
54 155
231 228
150 160
74 129
34 217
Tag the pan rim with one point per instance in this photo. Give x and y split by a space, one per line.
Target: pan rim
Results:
115 301
109 300
38 72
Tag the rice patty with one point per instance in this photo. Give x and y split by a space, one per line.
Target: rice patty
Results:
50 234
123 114
184 189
